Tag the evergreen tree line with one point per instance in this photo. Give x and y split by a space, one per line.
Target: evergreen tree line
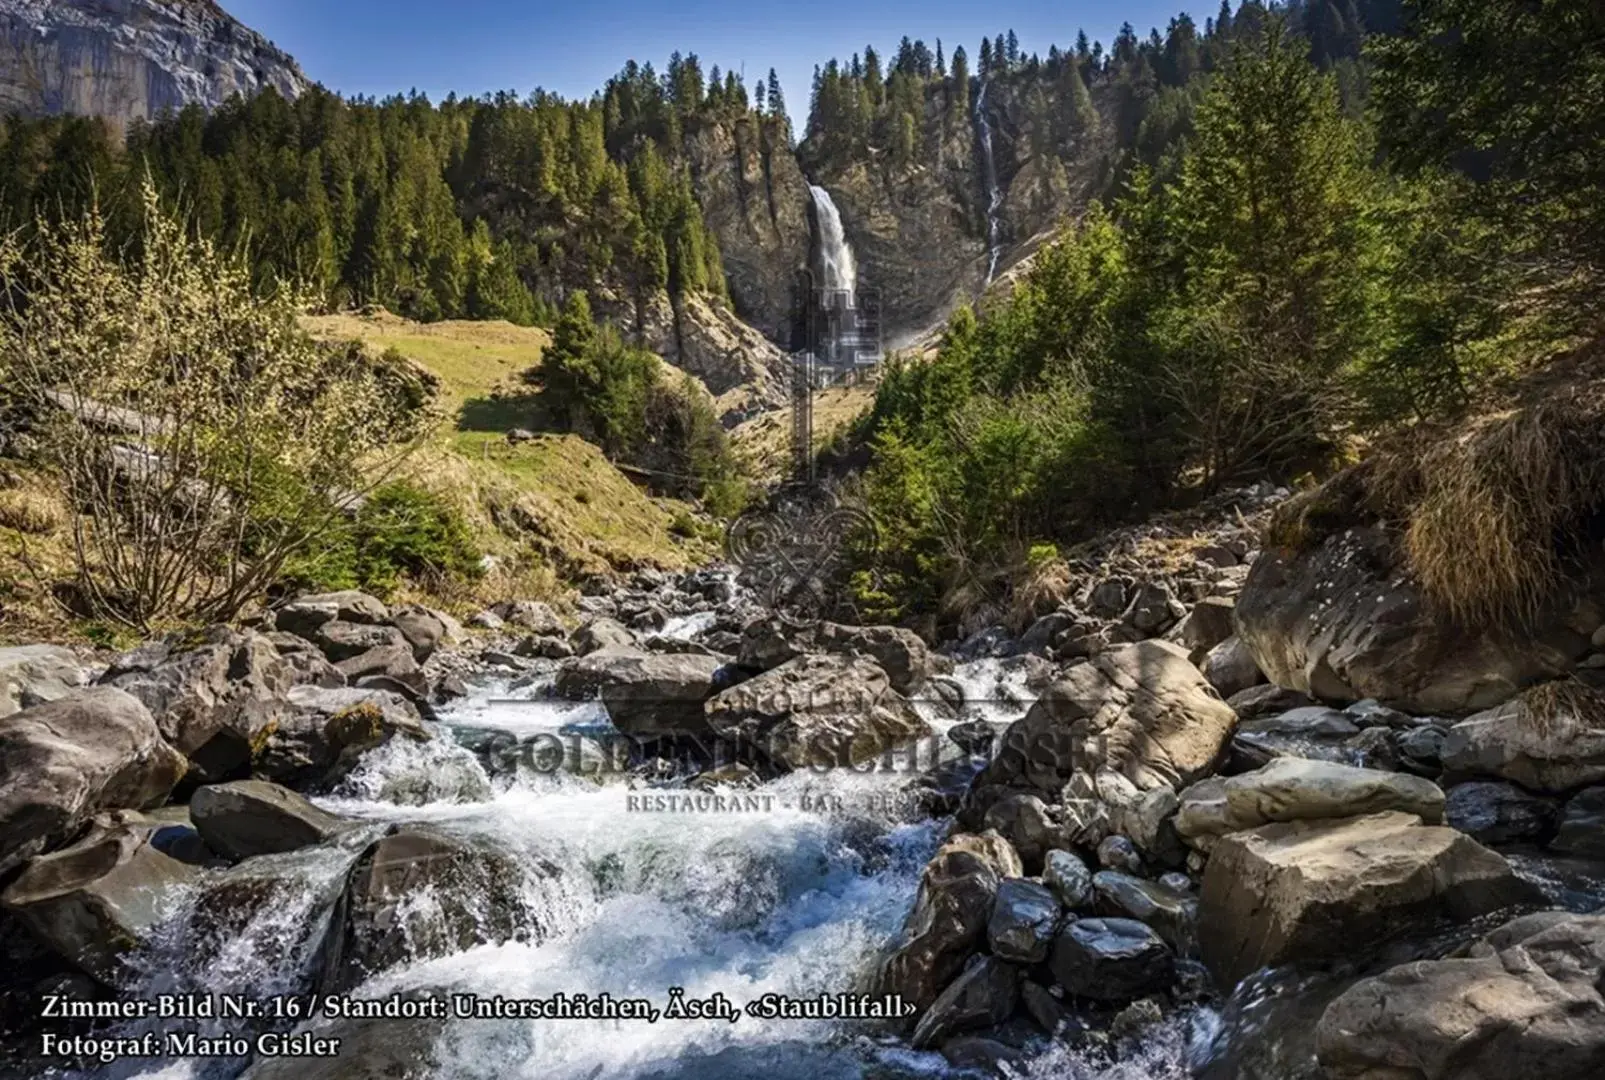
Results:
1302 277
487 208
858 110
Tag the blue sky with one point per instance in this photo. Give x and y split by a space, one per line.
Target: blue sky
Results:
379 47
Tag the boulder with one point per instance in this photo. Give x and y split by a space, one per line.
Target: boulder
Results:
1025 917
393 661
313 669
1550 739
34 674
1230 668
1069 878
1153 610
1308 891
533 616
1140 712
1172 913
424 630
1525 1002
1491 812
817 711
768 642
418 893
958 889
1028 825
64 761
253 817
1342 620
1266 699
100 900
325 732
983 995
601 633
212 700
544 648
343 640
1111 960
1298 789
1208 624
1119 853
1582 825
901 653
649 694
304 615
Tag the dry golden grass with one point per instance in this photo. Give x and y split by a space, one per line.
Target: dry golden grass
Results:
31 511
1563 708
1499 515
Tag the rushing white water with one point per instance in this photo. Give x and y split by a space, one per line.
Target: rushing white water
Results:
994 194
838 267
797 898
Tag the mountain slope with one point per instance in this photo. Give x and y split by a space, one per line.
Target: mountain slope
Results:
127 60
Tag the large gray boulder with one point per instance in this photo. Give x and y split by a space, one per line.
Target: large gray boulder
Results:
1342 620
1231 668
1130 728
212 700
1525 1002
601 633
770 641
66 760
342 640
957 892
34 674
646 693
1299 789
418 893
817 711
253 817
424 630
1549 739
304 615
1305 891
326 730
100 900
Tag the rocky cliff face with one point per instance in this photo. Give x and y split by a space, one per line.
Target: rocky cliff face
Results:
755 199
128 60
919 230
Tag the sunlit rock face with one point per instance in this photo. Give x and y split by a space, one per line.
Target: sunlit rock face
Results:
127 60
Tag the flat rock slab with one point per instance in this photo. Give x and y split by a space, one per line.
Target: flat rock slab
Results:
253 817
1308 891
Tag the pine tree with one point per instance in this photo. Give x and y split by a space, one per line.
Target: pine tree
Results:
777 100
941 64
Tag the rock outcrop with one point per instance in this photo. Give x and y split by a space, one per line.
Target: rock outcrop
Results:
1342 620
755 199
127 60
1526 1001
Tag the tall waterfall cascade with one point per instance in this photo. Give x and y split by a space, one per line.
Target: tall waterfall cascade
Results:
994 194
839 271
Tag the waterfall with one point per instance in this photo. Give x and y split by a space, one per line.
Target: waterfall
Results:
994 193
839 270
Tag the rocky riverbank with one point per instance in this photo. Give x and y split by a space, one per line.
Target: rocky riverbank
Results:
1381 863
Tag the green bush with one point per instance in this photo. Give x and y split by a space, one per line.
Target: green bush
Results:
400 531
